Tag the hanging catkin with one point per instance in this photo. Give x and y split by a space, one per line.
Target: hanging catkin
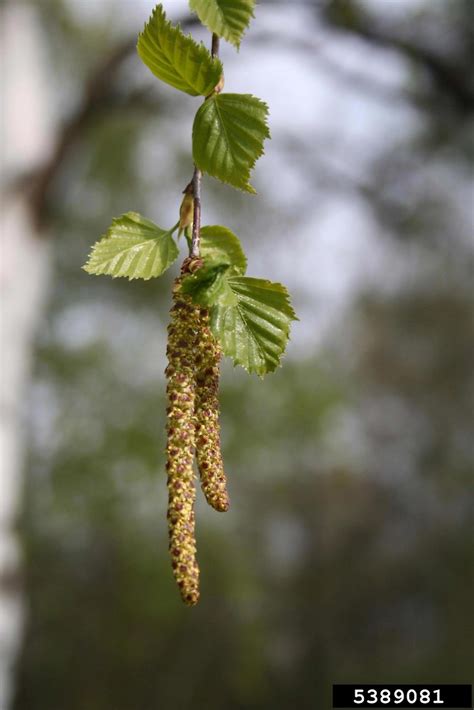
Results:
208 445
182 334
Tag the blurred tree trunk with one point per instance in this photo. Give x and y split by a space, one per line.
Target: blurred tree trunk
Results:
24 272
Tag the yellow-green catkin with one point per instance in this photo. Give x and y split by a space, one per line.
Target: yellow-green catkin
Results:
208 444
181 388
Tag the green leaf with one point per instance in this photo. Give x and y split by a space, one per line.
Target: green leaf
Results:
228 135
220 245
176 58
227 18
254 329
133 247
209 285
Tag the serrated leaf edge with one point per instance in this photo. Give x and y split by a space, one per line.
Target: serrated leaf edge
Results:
244 185
290 313
176 29
109 235
229 35
241 270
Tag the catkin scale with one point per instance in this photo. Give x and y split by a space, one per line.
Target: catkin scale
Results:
192 430
208 444
181 387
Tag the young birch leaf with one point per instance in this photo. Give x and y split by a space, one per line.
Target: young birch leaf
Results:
226 18
209 285
176 58
254 330
228 135
133 247
220 245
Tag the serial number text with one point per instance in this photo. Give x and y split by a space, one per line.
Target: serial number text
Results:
385 696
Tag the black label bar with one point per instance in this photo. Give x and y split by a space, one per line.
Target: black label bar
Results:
402 696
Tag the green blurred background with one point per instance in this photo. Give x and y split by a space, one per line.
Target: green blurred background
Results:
347 553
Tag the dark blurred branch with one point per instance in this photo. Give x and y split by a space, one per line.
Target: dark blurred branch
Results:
395 215
311 49
329 176
390 213
448 78
96 94
349 16
100 92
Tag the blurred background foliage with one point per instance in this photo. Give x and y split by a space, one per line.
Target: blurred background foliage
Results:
346 556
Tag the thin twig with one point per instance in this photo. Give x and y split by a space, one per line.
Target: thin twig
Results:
196 236
195 249
215 46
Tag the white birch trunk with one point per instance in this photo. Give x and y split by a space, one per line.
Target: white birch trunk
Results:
27 135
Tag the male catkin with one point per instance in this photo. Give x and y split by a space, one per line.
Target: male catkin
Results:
208 445
180 372
251 316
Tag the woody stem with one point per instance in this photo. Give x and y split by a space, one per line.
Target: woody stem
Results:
196 235
195 250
